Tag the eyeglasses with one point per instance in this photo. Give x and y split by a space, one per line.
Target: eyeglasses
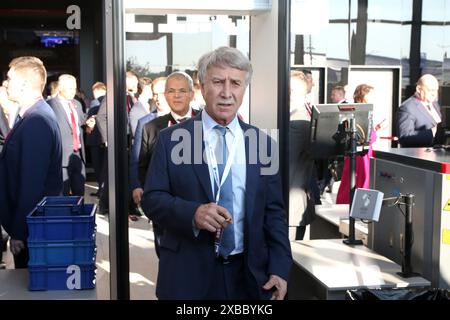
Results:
181 92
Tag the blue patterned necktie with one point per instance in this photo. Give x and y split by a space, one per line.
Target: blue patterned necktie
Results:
226 193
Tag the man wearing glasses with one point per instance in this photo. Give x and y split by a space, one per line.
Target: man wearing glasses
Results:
178 93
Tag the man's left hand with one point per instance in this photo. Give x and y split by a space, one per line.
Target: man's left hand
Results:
280 285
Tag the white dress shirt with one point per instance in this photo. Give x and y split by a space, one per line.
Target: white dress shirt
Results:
178 117
234 138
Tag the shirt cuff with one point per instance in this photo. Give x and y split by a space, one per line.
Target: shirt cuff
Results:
195 230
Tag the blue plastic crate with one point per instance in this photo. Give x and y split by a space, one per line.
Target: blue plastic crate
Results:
73 277
68 227
61 253
60 206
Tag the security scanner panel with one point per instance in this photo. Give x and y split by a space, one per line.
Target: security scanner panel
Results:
330 124
425 173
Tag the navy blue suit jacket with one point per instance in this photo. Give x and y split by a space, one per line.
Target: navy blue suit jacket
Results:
136 149
30 167
414 124
94 138
172 194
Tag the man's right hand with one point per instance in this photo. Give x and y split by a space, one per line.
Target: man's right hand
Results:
137 195
211 217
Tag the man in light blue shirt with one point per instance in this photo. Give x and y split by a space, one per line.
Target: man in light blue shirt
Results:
225 230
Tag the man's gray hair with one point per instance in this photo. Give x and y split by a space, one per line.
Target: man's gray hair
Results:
224 56
176 74
64 78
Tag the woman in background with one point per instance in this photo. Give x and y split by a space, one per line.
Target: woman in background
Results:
363 94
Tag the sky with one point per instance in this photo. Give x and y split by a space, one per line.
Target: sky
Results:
311 17
383 39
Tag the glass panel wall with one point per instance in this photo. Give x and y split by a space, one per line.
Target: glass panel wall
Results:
368 32
387 44
157 45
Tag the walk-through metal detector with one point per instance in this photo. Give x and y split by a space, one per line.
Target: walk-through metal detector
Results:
269 53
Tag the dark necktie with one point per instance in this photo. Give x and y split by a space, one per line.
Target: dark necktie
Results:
73 124
182 119
17 120
226 193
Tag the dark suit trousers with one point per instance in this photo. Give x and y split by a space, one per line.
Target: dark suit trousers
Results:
97 162
229 282
21 259
103 204
73 176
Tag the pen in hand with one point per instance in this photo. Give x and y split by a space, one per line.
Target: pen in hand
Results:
218 238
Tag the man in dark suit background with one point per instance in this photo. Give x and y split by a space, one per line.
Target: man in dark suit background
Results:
162 108
4 124
70 118
302 169
142 106
178 93
252 258
4 130
93 137
418 117
30 163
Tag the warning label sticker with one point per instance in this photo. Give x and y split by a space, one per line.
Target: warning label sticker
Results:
447 206
445 236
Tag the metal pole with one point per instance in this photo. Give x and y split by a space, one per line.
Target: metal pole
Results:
352 154
117 155
284 63
406 259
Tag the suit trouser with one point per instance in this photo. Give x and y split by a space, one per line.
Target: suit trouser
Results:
97 162
300 232
21 259
103 191
3 242
74 176
229 282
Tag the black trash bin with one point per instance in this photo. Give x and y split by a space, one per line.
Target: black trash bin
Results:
398 294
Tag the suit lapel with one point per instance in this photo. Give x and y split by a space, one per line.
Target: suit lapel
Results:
171 121
200 166
10 135
17 125
423 111
63 114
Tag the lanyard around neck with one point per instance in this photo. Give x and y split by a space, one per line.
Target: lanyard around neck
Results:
226 171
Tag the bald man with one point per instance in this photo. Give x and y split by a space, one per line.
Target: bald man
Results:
419 116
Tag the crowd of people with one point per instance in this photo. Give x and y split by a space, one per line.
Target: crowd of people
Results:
221 230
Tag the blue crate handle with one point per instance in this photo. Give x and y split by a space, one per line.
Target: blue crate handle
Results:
73 207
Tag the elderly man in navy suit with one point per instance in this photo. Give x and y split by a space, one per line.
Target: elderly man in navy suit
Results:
221 209
419 116
70 118
30 163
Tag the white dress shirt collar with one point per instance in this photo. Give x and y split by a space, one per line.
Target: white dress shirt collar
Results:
209 124
178 117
